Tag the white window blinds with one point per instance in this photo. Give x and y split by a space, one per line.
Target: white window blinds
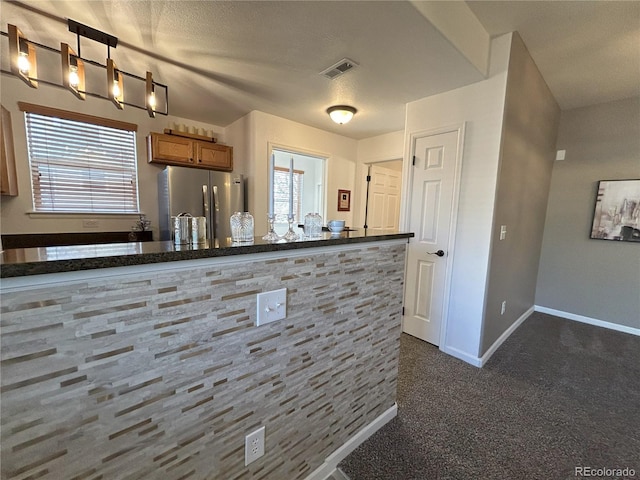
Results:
81 167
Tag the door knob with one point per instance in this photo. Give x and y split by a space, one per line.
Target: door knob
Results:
439 253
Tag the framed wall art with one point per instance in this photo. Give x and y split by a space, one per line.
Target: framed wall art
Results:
616 215
344 200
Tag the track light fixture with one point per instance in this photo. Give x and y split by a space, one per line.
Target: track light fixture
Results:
72 71
23 65
23 57
115 86
150 95
341 114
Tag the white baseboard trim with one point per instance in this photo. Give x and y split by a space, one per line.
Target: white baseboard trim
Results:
480 361
464 356
589 320
507 333
332 461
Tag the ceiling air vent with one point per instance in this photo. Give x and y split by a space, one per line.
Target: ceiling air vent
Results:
339 68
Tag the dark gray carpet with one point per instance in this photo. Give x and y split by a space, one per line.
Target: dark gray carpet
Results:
556 395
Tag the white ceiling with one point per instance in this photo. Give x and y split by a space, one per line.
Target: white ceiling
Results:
224 59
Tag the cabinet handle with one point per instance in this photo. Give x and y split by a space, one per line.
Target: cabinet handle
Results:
191 160
199 160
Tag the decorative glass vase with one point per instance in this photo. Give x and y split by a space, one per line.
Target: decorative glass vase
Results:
241 227
312 225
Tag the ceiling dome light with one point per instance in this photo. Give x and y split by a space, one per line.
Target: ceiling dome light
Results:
341 114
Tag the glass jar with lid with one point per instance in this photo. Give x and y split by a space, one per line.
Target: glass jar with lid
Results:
312 225
241 227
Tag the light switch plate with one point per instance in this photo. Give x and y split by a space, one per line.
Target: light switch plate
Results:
503 232
272 306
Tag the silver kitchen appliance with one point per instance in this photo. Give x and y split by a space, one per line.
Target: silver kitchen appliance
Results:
213 195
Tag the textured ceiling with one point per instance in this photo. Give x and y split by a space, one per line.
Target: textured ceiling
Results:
222 60
587 51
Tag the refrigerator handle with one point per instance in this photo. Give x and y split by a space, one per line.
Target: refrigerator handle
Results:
216 213
205 202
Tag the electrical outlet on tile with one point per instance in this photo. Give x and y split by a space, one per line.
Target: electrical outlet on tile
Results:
254 446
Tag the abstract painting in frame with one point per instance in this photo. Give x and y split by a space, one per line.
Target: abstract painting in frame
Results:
617 212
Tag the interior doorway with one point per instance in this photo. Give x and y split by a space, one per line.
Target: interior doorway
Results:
383 190
309 180
431 214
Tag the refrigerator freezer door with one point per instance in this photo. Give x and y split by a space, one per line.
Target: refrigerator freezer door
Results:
180 190
227 197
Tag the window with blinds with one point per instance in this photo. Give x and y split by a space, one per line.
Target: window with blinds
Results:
81 167
281 192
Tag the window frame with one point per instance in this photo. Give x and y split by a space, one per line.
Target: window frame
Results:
28 108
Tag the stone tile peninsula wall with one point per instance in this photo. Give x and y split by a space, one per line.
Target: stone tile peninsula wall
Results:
158 372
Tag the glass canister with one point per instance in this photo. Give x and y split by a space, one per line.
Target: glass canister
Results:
241 227
313 225
198 230
181 228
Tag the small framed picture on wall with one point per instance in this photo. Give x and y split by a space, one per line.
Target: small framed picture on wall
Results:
344 200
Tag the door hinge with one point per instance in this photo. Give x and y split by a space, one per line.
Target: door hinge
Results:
414 160
403 311
368 178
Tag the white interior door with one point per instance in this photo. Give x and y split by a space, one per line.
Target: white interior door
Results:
430 214
384 198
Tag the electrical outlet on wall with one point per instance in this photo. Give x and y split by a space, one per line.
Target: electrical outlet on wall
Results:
253 446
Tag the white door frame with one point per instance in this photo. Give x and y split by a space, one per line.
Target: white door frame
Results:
405 221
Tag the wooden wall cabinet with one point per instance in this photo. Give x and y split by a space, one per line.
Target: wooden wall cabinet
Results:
187 152
8 177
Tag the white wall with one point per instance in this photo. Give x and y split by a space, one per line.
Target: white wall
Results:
481 106
15 212
389 146
265 130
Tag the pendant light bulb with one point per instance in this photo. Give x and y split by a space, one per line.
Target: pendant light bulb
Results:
74 78
152 100
23 63
116 89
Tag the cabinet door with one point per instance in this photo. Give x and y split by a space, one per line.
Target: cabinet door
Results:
8 178
214 156
171 149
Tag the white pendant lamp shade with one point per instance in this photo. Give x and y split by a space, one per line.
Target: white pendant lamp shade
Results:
341 114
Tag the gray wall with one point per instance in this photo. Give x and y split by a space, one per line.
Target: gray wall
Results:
598 279
527 151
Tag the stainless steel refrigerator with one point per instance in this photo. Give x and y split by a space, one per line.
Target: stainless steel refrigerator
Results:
213 195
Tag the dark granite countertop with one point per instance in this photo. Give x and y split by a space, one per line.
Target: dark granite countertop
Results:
21 262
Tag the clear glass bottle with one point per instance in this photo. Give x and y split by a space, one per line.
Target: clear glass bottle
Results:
312 225
241 227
